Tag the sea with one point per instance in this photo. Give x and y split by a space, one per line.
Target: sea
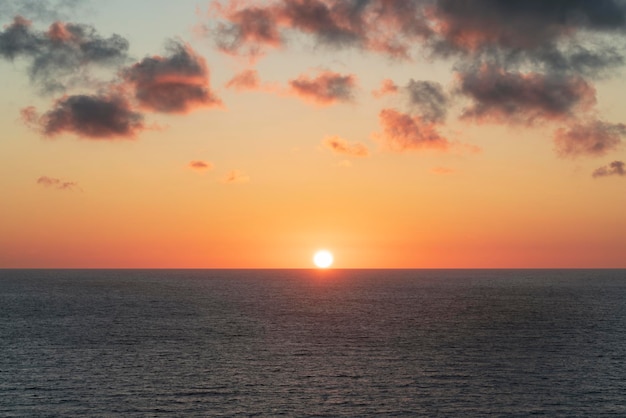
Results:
312 343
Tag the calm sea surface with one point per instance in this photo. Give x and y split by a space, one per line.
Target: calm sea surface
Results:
311 343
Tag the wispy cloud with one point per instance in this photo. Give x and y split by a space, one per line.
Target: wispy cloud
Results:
427 99
325 88
235 176
57 184
342 146
594 138
442 170
245 80
616 168
40 9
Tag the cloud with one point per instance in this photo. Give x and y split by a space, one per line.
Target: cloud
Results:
236 176
515 97
429 99
59 57
616 168
403 132
58 184
378 25
246 30
517 61
442 170
387 86
176 83
325 89
245 80
94 117
545 33
40 9
200 165
521 29
595 138
341 146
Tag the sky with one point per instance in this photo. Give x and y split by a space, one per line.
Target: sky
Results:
250 134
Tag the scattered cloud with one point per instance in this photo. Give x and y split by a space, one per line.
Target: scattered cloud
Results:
59 57
235 176
428 99
387 87
518 62
200 165
536 32
246 31
245 80
342 146
57 184
513 97
324 89
382 26
595 138
403 132
95 117
616 168
176 83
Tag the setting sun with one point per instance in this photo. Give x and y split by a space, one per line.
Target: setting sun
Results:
323 259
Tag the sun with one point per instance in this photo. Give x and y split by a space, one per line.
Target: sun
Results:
323 259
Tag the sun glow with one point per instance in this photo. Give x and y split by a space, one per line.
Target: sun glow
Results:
323 259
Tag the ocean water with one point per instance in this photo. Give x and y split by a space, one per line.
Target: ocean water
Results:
312 343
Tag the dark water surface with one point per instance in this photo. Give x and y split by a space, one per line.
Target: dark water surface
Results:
310 343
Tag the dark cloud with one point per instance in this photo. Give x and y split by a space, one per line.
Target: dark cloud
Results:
245 80
518 61
403 132
499 96
595 138
616 168
57 56
513 29
93 117
379 25
57 183
523 24
341 146
324 89
176 83
578 59
429 99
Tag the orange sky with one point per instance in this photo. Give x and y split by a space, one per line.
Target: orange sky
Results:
250 134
